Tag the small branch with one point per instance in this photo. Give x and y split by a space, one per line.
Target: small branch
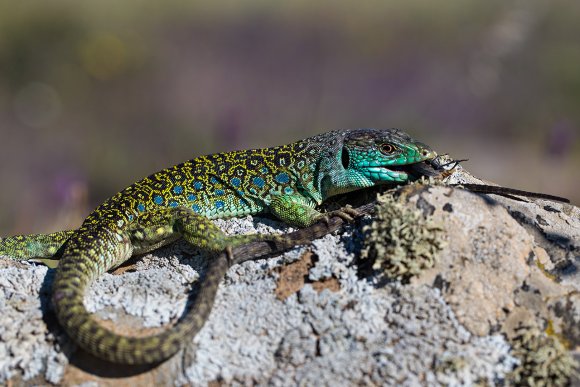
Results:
505 191
255 250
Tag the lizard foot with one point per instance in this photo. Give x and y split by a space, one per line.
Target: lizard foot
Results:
346 213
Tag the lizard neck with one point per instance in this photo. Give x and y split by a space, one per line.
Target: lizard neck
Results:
331 175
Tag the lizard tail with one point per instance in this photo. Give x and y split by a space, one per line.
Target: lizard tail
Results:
23 247
90 254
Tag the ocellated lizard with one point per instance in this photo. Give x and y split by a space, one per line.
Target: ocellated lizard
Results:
287 181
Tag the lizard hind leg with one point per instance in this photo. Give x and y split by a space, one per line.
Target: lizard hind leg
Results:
204 234
160 227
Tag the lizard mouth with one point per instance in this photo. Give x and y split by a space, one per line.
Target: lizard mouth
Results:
416 170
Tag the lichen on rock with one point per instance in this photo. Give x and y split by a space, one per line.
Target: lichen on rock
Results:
544 361
401 241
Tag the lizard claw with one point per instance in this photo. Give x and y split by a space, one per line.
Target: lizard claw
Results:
346 213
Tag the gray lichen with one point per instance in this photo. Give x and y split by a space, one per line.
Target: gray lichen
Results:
544 361
401 241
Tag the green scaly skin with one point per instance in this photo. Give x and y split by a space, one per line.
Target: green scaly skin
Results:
288 181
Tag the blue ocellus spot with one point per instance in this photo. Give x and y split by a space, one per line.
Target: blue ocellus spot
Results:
282 178
191 197
130 217
213 180
173 204
265 170
236 182
288 190
178 189
198 185
196 208
219 204
219 192
141 207
158 200
259 182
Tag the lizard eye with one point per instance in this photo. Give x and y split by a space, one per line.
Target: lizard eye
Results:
387 148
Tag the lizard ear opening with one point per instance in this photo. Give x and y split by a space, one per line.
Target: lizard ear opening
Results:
345 157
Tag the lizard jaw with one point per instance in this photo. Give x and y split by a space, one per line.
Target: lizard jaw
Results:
382 174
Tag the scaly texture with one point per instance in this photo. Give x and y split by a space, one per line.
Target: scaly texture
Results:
287 181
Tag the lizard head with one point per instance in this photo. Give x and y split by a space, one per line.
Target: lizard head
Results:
381 155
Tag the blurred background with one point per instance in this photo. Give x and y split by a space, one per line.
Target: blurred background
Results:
95 95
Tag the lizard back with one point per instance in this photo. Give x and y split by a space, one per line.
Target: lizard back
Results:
223 185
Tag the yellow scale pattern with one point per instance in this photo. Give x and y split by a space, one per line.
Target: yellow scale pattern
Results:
217 186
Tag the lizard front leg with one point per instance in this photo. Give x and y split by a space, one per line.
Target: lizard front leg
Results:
299 211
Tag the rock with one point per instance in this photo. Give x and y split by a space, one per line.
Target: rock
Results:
504 284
